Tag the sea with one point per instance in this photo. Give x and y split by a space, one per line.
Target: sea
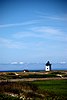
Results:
31 67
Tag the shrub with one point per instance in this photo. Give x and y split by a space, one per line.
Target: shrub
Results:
6 97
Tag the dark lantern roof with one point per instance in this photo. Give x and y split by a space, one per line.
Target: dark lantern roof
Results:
48 64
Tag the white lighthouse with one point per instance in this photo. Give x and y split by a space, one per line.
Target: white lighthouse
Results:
48 66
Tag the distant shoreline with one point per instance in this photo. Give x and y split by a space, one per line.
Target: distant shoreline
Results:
30 70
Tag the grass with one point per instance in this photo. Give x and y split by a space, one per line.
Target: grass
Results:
58 87
6 97
37 90
11 76
21 75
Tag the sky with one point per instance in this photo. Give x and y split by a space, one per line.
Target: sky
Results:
33 31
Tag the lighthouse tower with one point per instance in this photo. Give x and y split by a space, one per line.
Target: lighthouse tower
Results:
48 66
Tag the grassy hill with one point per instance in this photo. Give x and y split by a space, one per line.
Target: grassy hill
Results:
36 90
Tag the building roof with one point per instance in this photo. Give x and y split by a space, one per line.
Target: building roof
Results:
48 64
25 70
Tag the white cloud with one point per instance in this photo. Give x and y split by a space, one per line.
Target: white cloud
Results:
10 43
63 62
43 16
42 32
19 24
56 18
47 31
20 35
50 33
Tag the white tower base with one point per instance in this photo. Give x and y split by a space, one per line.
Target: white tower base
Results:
47 68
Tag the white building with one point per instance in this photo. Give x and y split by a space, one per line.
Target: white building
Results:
48 66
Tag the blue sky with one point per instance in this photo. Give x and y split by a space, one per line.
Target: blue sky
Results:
33 30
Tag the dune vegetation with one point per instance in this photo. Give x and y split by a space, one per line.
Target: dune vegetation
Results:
35 90
21 75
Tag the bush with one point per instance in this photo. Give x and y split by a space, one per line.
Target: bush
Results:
6 97
57 72
10 73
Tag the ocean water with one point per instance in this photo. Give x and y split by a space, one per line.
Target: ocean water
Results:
31 67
